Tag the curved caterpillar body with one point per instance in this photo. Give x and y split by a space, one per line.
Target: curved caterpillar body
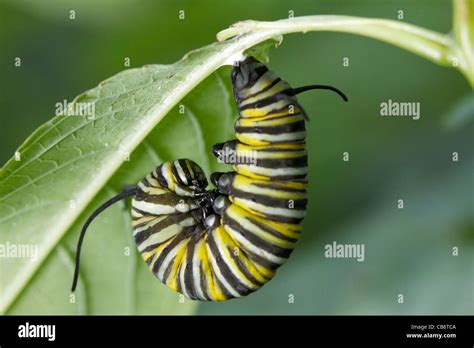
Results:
227 242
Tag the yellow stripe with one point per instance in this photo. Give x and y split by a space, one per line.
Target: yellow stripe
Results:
266 79
168 174
266 272
243 169
213 290
280 86
157 251
257 122
246 184
227 240
172 280
285 146
250 140
240 215
263 112
142 220
287 229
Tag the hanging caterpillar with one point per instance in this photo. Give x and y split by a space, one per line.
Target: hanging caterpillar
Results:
228 241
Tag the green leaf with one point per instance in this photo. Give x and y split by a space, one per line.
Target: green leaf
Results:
59 169
114 278
68 160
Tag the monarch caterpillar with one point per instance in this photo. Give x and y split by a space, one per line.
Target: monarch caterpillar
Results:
228 241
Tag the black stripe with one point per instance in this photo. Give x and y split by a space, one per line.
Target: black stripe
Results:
274 186
186 170
176 174
261 261
293 177
188 271
272 231
254 75
144 213
298 204
154 246
167 272
233 281
261 91
283 219
279 117
268 100
292 127
282 109
178 283
203 281
159 176
146 183
148 261
284 119
242 268
272 148
173 219
277 163
224 290
255 240
170 199
166 250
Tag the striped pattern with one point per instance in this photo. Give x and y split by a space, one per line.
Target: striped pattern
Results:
265 197
228 242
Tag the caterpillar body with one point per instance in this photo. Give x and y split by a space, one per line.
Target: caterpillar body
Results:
228 241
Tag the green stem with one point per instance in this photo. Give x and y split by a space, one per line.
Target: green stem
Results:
434 46
463 32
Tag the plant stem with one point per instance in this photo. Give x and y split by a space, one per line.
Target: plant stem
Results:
434 46
463 32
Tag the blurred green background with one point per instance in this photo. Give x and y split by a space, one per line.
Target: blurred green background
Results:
407 251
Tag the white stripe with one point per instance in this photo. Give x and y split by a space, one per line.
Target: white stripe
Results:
219 275
180 171
165 171
273 137
160 209
181 276
287 212
153 181
271 172
165 234
197 271
221 247
149 224
247 245
170 257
